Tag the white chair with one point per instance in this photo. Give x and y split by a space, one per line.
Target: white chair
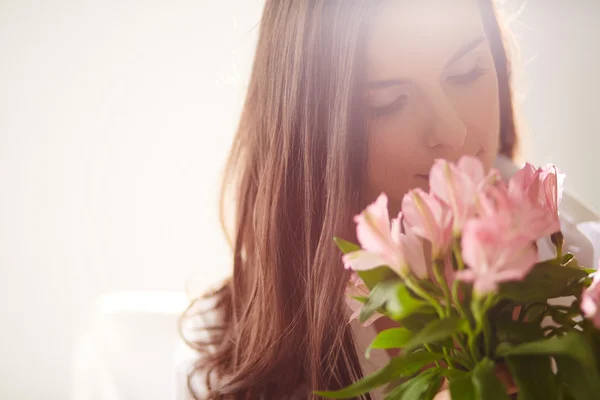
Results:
126 348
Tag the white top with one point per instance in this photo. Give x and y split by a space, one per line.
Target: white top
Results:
581 229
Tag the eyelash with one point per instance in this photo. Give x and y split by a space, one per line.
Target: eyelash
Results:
400 102
467 78
395 105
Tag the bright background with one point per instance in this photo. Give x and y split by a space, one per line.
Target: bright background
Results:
115 119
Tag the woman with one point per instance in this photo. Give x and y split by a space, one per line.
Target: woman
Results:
347 99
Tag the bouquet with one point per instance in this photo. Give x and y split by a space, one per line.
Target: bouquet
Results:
458 269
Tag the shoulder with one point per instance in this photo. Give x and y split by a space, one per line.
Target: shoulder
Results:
199 335
580 225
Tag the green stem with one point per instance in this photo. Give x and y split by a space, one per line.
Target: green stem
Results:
559 249
438 273
487 334
458 255
456 300
473 348
448 358
457 303
414 286
437 363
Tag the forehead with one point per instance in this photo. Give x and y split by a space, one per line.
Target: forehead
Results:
426 33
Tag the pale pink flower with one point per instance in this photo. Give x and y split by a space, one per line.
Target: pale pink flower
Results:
519 217
590 301
357 288
551 191
429 218
384 243
542 187
499 246
525 184
373 230
492 256
459 185
414 254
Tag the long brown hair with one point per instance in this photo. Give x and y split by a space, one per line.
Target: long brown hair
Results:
295 178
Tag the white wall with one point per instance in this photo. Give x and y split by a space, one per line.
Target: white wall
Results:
114 121
115 118
562 87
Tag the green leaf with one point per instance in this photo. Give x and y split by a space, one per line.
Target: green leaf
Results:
534 312
394 338
462 359
423 387
572 345
374 276
592 335
486 383
381 293
396 368
583 383
462 388
403 304
436 331
416 322
589 270
546 280
514 332
453 373
533 376
570 261
345 246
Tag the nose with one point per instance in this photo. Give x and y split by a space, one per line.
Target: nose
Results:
448 129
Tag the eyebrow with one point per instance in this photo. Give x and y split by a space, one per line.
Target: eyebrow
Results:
466 49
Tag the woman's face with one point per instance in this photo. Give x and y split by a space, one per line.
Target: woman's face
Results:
432 92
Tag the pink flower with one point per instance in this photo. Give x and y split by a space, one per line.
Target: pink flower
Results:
590 301
384 243
414 254
518 216
429 218
525 184
493 254
552 180
374 234
459 186
542 187
357 288
499 246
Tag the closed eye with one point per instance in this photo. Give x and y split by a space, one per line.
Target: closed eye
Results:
394 106
467 78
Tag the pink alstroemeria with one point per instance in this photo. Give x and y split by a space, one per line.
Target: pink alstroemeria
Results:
518 217
414 254
552 180
374 234
357 288
429 218
590 301
493 257
525 184
384 243
459 185
543 187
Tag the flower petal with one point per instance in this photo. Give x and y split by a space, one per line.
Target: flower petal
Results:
362 260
